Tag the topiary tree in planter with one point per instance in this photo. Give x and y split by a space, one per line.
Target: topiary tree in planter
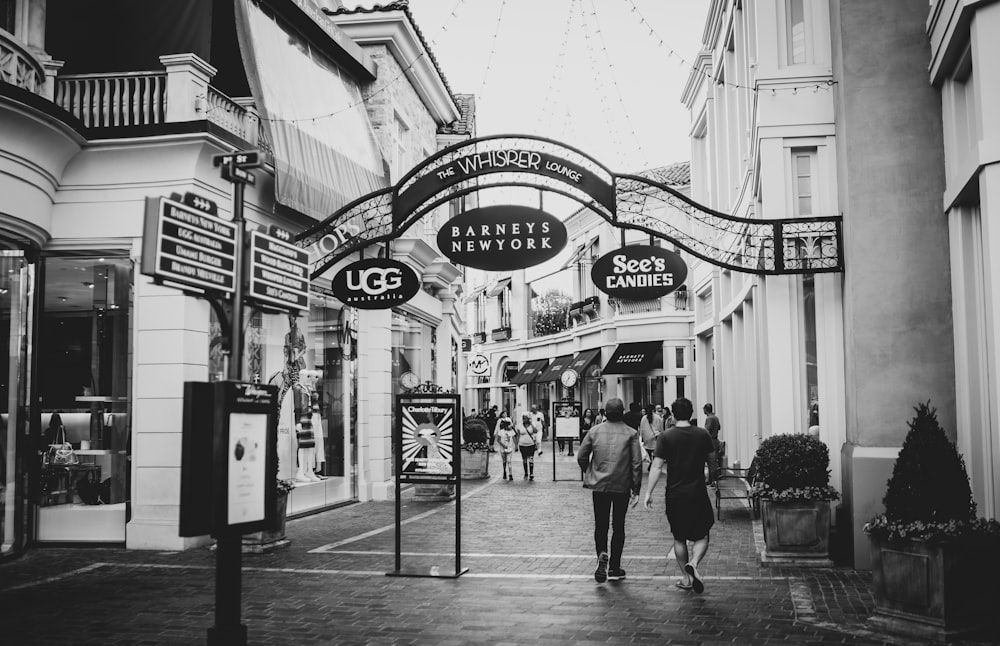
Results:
475 447
931 555
792 483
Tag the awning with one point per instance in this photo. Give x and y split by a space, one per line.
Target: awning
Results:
499 287
325 152
634 358
584 359
530 371
556 368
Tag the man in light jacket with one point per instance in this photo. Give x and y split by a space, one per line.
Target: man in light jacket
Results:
611 457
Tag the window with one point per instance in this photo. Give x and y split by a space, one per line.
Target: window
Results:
796 32
680 387
8 11
803 181
679 357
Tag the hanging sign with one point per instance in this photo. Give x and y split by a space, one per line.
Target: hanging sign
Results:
479 365
639 272
187 246
278 272
375 284
502 238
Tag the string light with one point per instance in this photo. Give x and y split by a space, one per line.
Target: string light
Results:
685 63
493 47
548 115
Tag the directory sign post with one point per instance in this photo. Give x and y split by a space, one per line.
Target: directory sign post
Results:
278 273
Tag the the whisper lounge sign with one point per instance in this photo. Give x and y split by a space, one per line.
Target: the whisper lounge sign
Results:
511 160
639 272
502 238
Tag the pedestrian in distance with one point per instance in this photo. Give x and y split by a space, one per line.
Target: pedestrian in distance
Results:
634 415
648 433
491 418
586 423
611 458
527 444
713 426
507 439
685 450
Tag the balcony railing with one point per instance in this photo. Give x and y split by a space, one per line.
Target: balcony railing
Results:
18 67
624 307
119 99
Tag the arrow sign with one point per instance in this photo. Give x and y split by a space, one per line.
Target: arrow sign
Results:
240 159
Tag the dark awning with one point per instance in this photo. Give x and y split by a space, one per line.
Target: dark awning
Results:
584 359
634 358
530 371
556 368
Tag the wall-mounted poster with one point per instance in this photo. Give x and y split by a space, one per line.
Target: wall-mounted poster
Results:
427 433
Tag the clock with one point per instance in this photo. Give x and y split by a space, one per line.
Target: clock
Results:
409 380
569 377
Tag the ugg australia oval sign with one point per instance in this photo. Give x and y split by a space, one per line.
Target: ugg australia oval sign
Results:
639 272
375 284
502 238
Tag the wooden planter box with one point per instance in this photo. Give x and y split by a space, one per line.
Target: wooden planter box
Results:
475 465
934 591
796 533
271 539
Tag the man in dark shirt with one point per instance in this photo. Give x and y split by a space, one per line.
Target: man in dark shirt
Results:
634 415
685 450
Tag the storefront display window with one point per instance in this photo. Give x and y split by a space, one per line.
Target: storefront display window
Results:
16 275
84 387
312 360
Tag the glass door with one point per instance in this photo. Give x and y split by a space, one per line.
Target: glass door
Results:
16 278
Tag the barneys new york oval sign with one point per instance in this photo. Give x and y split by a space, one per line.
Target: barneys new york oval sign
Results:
639 272
502 238
375 284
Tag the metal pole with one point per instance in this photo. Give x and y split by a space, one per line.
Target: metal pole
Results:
229 630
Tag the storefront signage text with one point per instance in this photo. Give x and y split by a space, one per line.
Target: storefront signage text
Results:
639 272
502 238
375 284
501 161
278 273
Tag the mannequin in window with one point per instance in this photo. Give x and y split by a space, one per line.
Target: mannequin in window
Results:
304 433
310 379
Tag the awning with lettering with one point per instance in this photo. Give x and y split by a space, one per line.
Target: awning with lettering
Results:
556 368
530 372
583 360
325 152
635 358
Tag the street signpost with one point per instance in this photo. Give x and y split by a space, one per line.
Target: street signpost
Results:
278 273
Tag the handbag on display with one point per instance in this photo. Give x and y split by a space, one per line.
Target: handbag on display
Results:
61 453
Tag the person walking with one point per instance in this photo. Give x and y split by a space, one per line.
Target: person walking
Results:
527 444
713 426
685 450
491 418
507 438
586 423
611 457
649 429
633 416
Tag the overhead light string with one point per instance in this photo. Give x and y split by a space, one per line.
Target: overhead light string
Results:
614 79
605 107
545 122
493 48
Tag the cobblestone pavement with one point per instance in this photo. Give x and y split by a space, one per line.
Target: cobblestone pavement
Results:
529 550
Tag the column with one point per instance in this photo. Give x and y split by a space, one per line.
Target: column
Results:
375 405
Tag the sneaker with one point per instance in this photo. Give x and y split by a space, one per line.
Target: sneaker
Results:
601 573
532 478
616 575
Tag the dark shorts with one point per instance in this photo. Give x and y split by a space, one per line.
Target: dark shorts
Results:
690 517
527 451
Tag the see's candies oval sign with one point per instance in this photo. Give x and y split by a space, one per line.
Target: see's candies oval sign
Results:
375 284
639 272
502 238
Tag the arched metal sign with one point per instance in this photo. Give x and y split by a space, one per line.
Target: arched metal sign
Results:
756 246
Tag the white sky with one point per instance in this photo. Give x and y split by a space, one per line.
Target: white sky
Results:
590 73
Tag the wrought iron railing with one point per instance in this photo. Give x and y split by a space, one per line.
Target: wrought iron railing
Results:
623 307
118 99
18 67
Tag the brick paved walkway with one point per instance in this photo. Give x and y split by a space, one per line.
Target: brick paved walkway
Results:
529 550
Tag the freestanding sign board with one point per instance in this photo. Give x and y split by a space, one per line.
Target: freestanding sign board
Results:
426 442
189 247
566 416
229 458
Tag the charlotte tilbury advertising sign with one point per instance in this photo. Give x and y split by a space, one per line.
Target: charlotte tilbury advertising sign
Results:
502 238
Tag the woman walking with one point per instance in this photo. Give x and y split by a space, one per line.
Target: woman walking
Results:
508 440
527 444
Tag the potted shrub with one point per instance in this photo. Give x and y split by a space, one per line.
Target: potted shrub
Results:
475 450
792 484
271 539
934 563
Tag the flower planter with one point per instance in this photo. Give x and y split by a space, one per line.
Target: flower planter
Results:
475 465
796 533
933 590
269 540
